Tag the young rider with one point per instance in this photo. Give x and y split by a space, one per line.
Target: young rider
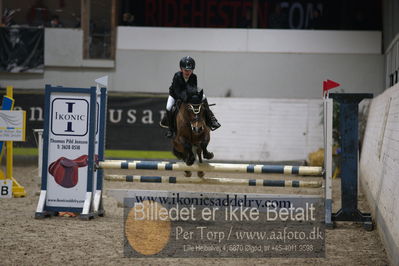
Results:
178 91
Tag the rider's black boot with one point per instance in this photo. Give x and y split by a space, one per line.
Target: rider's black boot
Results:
164 122
211 120
170 132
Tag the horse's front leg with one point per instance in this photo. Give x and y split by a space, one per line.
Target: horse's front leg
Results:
178 148
178 154
190 158
187 173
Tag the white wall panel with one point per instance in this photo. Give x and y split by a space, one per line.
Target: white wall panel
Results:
181 39
266 129
249 40
379 167
315 41
267 75
64 48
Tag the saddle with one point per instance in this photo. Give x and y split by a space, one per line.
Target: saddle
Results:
164 123
65 171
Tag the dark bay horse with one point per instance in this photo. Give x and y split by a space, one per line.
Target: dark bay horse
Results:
192 133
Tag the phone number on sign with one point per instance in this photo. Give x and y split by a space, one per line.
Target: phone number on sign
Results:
267 248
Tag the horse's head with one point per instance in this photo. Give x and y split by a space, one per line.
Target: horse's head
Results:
195 112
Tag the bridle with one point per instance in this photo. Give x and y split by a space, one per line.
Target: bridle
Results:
195 108
196 128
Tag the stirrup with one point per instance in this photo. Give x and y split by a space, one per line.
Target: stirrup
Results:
162 125
169 134
163 122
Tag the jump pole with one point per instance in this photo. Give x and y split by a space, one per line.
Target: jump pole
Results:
212 167
213 181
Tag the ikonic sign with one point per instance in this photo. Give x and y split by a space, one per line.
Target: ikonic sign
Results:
68 149
69 117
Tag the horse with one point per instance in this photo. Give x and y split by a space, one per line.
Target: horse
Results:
192 133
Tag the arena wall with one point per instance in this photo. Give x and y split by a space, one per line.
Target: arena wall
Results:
379 166
230 62
267 75
250 62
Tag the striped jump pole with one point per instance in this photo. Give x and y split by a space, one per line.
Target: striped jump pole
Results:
213 181
213 167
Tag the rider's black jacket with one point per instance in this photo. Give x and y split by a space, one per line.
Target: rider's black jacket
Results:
180 89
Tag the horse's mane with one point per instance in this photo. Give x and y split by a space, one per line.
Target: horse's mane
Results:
194 96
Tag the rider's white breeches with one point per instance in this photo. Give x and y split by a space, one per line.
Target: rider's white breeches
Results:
170 103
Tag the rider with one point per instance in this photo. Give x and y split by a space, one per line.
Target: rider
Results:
178 91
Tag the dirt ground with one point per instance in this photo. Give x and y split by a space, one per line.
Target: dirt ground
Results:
70 241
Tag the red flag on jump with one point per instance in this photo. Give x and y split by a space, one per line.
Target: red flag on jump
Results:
329 84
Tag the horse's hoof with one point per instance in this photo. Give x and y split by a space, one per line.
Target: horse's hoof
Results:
200 174
209 155
187 174
190 162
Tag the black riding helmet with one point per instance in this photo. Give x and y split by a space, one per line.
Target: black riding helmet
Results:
187 62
